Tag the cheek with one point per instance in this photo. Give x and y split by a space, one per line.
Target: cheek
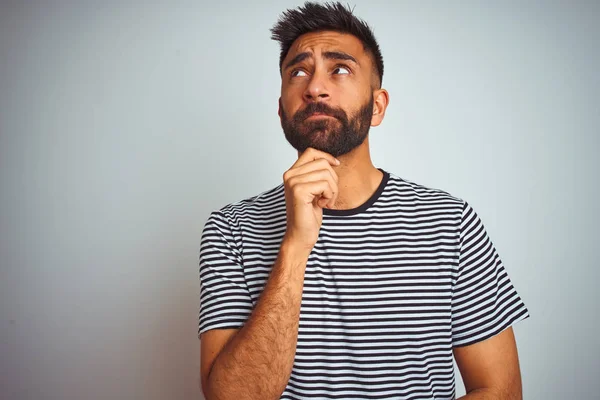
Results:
290 103
291 94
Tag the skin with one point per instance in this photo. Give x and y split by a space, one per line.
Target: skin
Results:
255 361
358 178
490 368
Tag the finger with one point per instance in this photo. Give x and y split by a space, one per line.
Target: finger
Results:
315 176
316 165
321 189
323 202
308 191
312 154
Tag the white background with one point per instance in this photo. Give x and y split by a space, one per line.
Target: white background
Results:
123 125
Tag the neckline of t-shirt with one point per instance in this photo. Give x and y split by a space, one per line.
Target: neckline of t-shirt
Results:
363 207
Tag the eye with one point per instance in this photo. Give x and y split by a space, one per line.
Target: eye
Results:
342 68
293 73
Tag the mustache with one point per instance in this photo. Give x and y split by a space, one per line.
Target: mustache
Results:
319 107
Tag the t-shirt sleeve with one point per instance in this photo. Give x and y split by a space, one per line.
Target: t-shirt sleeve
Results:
225 300
484 301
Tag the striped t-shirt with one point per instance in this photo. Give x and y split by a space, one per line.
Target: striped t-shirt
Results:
390 288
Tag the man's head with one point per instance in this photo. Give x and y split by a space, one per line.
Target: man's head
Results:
330 63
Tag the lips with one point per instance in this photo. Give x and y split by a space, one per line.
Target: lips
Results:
318 114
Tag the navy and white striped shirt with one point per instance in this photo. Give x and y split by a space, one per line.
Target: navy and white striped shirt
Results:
390 288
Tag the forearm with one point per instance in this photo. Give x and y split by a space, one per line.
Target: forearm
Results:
479 394
491 394
257 362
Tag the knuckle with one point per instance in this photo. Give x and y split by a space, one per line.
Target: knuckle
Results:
294 190
292 182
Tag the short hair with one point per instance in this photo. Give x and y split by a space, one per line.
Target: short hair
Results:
315 17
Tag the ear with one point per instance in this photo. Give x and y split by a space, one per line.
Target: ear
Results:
279 108
380 103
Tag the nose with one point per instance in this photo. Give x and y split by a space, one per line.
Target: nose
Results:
316 89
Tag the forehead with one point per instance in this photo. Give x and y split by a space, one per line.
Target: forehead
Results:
327 41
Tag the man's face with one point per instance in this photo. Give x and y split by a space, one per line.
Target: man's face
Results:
327 73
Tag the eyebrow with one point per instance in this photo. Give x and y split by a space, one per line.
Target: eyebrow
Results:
328 55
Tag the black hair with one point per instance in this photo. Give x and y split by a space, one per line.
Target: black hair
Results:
315 17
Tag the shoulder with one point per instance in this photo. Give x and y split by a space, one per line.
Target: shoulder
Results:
417 193
251 208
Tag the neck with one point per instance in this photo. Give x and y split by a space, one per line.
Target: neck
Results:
358 178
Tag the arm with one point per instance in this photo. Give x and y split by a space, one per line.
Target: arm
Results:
490 369
256 361
485 304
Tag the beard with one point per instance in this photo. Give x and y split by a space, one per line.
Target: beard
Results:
336 136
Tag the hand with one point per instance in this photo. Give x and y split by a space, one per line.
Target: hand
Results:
310 184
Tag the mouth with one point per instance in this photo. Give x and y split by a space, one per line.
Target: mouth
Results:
318 115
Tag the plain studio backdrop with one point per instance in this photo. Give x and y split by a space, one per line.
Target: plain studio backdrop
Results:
123 125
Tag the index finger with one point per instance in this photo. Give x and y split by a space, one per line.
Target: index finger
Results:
312 154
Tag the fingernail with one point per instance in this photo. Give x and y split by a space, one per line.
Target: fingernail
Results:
338 161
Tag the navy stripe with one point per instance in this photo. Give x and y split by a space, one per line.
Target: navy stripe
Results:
391 287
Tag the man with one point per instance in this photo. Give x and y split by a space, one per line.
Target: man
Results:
347 281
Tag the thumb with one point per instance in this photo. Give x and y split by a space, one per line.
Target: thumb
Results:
322 202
